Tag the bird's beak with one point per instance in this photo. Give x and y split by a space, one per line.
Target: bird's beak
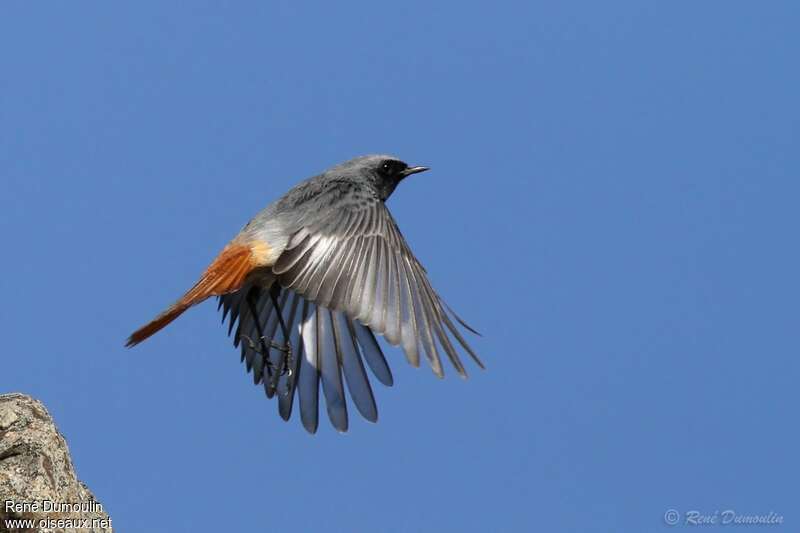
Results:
413 170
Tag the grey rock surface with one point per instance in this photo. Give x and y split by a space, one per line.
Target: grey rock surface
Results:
37 479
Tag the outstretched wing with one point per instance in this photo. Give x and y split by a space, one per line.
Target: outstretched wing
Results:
341 280
323 345
358 262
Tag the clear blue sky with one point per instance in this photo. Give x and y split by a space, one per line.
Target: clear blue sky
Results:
613 204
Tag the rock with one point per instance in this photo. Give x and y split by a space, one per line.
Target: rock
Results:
37 479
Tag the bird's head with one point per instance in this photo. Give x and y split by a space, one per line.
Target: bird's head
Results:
383 172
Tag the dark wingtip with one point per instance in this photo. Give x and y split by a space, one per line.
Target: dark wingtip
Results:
460 320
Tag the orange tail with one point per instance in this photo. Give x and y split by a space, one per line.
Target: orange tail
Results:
225 274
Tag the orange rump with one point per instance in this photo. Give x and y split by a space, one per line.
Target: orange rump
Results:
226 274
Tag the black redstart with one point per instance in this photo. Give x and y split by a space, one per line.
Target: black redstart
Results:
312 278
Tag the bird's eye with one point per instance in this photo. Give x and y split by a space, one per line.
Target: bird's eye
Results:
386 166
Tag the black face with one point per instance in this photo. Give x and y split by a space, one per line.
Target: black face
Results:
392 169
389 173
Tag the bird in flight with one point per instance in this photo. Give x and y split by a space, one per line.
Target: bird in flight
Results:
310 281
